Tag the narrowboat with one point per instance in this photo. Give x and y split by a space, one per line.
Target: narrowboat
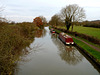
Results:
52 30
68 40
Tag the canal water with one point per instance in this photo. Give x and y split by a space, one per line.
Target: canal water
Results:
49 56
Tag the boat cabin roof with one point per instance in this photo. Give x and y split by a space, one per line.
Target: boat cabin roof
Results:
65 35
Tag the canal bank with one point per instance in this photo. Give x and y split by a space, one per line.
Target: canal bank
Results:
55 58
92 51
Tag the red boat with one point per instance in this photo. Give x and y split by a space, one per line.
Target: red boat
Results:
52 30
66 38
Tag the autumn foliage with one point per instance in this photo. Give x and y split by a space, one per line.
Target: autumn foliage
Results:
38 21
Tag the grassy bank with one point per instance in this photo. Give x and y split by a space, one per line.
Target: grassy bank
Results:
87 48
13 41
95 32
96 45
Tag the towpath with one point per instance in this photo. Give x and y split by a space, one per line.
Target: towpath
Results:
94 47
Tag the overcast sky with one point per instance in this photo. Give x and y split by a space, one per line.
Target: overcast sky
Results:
27 10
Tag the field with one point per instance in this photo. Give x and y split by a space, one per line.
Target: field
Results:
95 32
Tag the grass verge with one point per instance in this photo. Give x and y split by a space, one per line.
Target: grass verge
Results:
87 48
96 45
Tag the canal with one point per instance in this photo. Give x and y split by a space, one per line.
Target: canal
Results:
49 56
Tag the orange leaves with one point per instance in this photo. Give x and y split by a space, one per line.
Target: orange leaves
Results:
38 21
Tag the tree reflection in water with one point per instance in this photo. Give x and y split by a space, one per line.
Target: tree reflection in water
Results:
29 49
40 33
32 47
67 53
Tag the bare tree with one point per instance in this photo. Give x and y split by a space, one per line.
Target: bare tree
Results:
71 14
43 19
3 21
55 20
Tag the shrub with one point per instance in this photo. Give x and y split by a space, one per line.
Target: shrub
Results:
13 39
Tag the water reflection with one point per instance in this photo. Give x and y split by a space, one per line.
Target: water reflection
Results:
8 63
67 53
33 47
53 58
40 33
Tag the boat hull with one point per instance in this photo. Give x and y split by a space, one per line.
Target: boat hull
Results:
52 31
66 39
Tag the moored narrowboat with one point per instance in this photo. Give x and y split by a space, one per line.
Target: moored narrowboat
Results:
68 40
52 30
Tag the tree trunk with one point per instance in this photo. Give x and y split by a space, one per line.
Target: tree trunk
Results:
68 25
72 27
